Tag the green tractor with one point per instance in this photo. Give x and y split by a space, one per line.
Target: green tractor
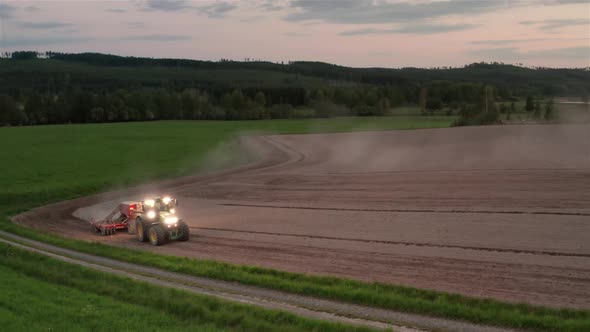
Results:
157 222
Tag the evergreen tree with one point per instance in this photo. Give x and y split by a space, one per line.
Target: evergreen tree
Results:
530 104
549 114
260 99
537 110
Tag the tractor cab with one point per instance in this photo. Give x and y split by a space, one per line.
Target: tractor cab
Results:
165 204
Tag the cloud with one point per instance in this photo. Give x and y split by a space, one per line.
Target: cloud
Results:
374 12
136 25
32 9
513 54
417 29
116 10
6 11
217 9
271 6
38 41
167 5
43 25
557 23
506 41
250 19
568 52
568 2
43 41
498 53
381 54
157 38
296 34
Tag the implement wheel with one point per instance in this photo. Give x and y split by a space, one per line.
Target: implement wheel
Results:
131 226
157 235
184 231
142 231
107 231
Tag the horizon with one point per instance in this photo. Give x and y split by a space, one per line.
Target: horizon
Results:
358 34
41 55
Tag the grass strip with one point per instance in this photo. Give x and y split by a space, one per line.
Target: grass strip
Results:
39 292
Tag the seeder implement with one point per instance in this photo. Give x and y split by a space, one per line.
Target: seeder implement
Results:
118 219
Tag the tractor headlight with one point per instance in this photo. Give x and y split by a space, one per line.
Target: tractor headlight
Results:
170 220
173 211
151 214
149 202
166 200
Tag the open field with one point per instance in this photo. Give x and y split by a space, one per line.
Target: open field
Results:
379 247
504 215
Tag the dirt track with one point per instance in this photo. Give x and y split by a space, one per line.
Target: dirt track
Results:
500 212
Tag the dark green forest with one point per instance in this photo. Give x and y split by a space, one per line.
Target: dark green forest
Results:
53 88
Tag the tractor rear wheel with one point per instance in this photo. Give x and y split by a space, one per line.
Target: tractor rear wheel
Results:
142 231
184 231
157 235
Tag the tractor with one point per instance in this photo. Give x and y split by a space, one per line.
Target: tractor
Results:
157 222
152 220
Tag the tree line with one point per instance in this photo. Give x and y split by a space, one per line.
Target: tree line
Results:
57 104
146 104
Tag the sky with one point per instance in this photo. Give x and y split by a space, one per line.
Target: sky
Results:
357 33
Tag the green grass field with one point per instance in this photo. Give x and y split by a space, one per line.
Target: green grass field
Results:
53 163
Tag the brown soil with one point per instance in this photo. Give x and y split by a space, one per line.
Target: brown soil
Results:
500 212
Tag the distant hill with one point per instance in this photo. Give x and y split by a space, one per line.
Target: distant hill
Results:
96 70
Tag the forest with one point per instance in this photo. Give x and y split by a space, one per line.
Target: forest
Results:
51 88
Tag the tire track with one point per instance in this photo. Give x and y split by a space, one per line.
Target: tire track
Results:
584 214
474 170
404 243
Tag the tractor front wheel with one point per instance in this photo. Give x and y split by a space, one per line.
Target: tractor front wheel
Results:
142 231
157 235
184 231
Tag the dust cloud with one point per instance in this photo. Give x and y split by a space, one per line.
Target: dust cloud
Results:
470 148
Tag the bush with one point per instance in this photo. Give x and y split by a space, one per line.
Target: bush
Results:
470 115
327 109
365 110
280 111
